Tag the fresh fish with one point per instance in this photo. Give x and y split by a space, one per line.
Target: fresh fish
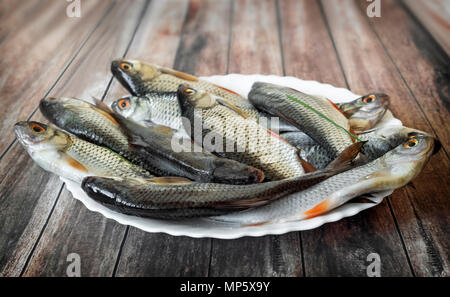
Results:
70 157
223 129
391 171
140 78
150 148
153 108
365 112
272 99
378 142
189 199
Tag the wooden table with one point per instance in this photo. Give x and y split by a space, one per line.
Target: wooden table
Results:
44 52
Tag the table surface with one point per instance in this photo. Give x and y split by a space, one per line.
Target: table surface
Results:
46 53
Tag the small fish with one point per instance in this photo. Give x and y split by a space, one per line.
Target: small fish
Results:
154 108
226 131
272 99
365 112
149 148
140 78
378 142
175 200
391 171
70 157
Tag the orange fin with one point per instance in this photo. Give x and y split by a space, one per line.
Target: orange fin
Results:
179 74
317 210
105 111
228 90
308 167
170 180
163 129
255 224
230 105
75 164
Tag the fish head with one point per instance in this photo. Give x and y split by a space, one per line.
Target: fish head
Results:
133 74
35 137
367 103
405 161
61 110
366 111
131 107
194 97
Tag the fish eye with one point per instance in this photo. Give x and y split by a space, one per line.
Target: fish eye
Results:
189 91
125 66
37 128
124 103
368 99
411 143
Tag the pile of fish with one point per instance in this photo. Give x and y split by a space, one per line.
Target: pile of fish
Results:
180 147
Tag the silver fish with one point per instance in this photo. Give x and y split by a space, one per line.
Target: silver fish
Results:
391 171
153 108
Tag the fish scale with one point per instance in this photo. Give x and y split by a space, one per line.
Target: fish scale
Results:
247 141
272 99
103 159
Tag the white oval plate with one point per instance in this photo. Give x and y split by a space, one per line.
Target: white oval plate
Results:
203 227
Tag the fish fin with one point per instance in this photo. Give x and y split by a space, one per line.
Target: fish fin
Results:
255 224
163 129
105 110
228 104
75 164
361 199
308 167
346 158
227 90
179 74
170 180
318 209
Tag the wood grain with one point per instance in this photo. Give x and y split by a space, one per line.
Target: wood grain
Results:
435 16
369 68
255 48
340 248
35 53
429 76
147 254
26 189
67 231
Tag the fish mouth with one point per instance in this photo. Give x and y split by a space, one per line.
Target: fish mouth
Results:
21 131
124 78
51 108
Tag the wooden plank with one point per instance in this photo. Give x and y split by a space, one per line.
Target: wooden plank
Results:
149 254
369 68
27 193
255 48
73 228
35 54
405 41
435 16
339 248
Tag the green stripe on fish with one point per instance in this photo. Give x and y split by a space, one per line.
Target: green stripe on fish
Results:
321 115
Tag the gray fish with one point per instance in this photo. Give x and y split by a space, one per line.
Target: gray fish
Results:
272 99
150 148
182 200
70 157
391 171
153 108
